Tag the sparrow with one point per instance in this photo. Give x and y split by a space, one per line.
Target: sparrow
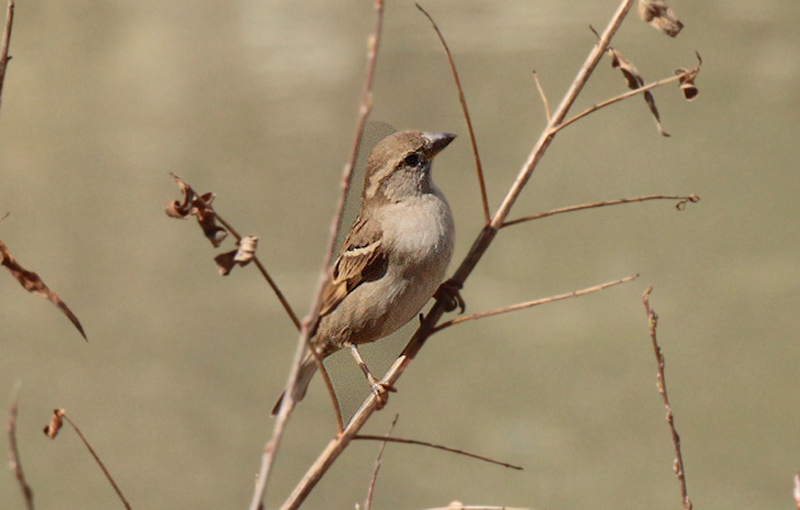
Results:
393 259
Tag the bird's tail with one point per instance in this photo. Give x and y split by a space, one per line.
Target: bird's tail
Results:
307 371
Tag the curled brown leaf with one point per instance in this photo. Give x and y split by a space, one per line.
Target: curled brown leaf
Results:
687 85
659 15
242 256
635 81
56 422
200 207
34 284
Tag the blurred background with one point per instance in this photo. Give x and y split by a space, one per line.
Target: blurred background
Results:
257 101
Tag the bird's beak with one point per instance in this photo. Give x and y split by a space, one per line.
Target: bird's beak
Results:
436 142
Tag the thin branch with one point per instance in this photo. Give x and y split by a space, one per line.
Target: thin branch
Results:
476 252
543 96
207 205
476 154
311 320
529 304
457 505
436 446
13 452
5 44
62 414
626 95
681 205
384 439
678 466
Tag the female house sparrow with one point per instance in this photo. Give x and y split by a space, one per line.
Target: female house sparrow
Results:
394 257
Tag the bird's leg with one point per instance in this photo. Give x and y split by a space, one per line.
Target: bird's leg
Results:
379 388
449 293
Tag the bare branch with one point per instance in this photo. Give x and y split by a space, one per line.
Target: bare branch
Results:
681 205
457 505
5 44
384 439
478 166
52 429
13 452
543 96
311 320
652 320
192 197
530 304
328 456
641 90
438 447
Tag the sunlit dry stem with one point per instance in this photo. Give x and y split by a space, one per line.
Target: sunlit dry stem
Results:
97 459
467 118
323 371
437 447
309 323
335 447
235 233
683 200
545 102
625 96
5 44
652 320
371 490
529 304
14 462
456 505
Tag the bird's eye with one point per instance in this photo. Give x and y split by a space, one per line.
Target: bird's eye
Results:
412 159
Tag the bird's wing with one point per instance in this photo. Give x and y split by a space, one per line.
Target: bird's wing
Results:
362 259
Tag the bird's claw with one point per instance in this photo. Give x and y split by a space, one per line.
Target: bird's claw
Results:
381 391
449 293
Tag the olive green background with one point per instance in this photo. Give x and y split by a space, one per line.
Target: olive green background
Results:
257 101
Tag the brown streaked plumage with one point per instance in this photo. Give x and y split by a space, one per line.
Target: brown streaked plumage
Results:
394 257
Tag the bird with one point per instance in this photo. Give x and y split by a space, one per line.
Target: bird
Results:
392 261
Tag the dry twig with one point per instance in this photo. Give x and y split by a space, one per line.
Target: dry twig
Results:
467 118
680 77
309 323
529 304
652 319
13 452
457 505
438 447
56 421
476 252
545 102
681 205
4 58
384 439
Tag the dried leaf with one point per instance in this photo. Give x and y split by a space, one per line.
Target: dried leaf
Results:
635 81
200 207
56 422
34 284
660 16
241 256
688 87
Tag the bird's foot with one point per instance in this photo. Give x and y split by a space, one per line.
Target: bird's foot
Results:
381 391
449 293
